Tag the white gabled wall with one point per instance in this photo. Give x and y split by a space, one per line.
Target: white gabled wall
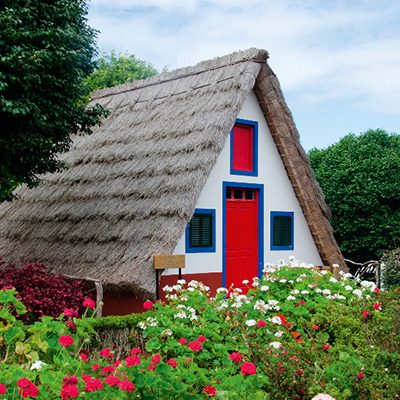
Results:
278 196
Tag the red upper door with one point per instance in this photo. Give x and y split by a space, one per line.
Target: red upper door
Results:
241 236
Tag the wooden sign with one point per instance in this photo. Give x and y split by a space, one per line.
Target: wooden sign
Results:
167 262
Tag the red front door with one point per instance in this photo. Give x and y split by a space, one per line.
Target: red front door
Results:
241 236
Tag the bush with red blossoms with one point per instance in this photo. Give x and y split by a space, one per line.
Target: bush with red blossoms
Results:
313 342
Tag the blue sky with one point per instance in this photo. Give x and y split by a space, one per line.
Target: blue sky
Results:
338 61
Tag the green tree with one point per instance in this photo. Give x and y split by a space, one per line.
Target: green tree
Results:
46 51
113 70
360 178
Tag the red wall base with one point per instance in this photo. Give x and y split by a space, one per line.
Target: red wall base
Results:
122 305
211 279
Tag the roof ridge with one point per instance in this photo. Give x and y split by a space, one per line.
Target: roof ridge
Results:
252 55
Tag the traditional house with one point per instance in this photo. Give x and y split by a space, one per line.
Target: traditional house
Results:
203 161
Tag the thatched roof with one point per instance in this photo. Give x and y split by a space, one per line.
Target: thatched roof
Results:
133 184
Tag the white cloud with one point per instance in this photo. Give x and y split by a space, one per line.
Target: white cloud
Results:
347 51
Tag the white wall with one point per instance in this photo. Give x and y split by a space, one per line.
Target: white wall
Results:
278 196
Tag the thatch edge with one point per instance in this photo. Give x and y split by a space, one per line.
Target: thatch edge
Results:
286 137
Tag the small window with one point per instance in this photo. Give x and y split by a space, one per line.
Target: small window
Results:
244 139
282 230
200 232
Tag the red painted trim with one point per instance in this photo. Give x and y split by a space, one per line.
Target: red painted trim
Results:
211 279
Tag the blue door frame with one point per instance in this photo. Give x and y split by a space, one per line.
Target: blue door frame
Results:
260 189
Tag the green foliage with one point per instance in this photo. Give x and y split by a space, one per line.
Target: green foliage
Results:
113 70
303 332
46 51
360 177
391 270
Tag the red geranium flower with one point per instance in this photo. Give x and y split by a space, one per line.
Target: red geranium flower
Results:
112 380
210 390
261 323
93 384
117 363
132 360
182 341
135 351
299 372
70 380
126 385
377 306
236 357
106 353
156 359
296 334
3 389
66 340
108 369
315 327
86 377
27 388
195 345
69 391
376 290
360 375
248 368
202 339
365 314
70 312
173 363
83 357
89 303
148 304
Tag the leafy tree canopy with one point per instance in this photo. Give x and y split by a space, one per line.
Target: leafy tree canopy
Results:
46 51
360 178
113 70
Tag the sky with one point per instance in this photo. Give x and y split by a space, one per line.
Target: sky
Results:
338 61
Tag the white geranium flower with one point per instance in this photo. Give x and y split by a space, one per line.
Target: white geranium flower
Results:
357 292
305 292
276 345
37 365
283 280
142 325
279 334
166 332
348 287
332 279
291 298
180 281
326 292
180 314
167 289
323 272
264 288
295 291
245 282
251 322
222 290
318 290
276 320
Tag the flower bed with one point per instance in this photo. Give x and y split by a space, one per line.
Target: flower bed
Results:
296 334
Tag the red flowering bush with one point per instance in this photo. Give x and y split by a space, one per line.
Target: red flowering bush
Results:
42 292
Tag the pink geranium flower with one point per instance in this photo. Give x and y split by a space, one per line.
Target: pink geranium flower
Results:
89 303
70 312
126 385
93 384
135 351
182 341
27 388
261 323
3 389
132 360
201 339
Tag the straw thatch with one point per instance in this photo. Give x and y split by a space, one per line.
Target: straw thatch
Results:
132 186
